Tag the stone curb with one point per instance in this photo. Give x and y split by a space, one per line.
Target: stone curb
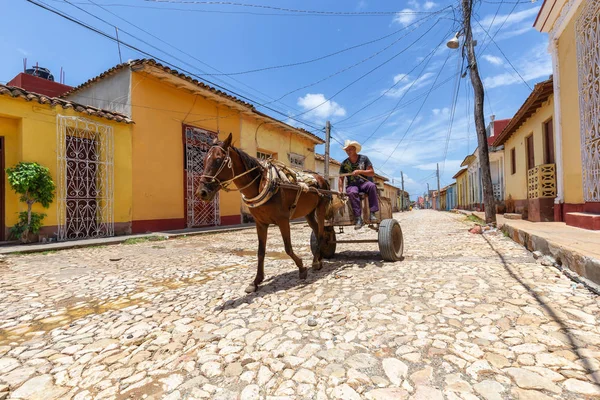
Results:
576 266
580 268
115 240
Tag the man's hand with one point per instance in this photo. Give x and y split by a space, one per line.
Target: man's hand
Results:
356 172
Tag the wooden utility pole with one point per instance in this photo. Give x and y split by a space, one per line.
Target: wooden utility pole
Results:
484 157
438 203
327 140
428 196
402 201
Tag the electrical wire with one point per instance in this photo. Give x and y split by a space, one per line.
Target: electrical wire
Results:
406 91
110 37
504 55
428 56
309 61
289 10
368 73
181 51
344 70
419 110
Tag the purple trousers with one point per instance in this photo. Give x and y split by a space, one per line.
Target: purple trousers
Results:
367 187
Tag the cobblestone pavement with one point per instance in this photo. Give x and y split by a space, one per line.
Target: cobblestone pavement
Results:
463 316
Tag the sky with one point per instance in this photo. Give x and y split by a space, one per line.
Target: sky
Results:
380 71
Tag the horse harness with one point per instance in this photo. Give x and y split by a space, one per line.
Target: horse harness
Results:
268 191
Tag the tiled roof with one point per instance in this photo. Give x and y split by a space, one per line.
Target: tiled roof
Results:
459 173
540 94
499 126
16 92
140 63
321 157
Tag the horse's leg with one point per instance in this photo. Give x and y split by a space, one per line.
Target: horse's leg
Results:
284 228
312 222
320 215
261 231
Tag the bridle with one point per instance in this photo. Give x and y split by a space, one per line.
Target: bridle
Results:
227 163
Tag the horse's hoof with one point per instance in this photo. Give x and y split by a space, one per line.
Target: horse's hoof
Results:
303 273
317 265
251 288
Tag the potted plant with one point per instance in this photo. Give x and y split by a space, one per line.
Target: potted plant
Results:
34 185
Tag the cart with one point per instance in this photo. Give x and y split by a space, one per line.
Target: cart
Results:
389 232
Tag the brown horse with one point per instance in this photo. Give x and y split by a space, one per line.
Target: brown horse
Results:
225 164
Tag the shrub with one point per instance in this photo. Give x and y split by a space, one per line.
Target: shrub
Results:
34 185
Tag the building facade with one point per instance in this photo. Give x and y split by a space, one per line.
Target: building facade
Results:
573 28
178 118
529 152
88 153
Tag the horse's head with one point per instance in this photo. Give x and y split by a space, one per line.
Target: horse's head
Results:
217 168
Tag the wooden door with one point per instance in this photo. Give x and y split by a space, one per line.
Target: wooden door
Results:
530 153
548 143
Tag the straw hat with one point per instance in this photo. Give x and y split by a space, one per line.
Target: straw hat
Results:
354 143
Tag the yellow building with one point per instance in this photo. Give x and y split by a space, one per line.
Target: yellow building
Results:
529 153
177 117
573 29
334 170
88 153
462 189
393 193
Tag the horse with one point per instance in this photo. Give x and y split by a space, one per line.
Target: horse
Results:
225 164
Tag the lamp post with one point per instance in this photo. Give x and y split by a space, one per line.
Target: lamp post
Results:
484 157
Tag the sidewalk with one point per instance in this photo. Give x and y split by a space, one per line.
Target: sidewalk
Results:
575 248
41 247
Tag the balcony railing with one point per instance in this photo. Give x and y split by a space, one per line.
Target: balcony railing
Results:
541 181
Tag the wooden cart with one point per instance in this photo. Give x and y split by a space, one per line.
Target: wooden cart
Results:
390 240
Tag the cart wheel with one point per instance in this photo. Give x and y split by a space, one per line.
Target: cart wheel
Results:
391 242
329 250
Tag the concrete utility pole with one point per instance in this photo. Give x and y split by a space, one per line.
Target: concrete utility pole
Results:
484 157
438 202
402 201
327 140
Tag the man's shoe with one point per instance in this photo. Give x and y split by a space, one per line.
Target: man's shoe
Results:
373 217
359 223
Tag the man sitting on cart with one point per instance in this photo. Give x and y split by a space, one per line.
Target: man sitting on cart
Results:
359 180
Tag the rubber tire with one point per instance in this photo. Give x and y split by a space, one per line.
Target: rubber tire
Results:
390 240
329 250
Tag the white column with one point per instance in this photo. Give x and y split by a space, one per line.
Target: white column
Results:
557 123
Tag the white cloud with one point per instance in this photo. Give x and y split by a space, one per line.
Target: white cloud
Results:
320 107
493 59
362 4
429 5
511 24
22 51
412 84
536 64
405 17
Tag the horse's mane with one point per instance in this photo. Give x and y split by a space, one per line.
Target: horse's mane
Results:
249 161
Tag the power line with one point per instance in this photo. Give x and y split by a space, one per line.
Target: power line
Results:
505 57
181 51
500 27
295 64
343 70
406 91
290 10
61 14
419 110
459 65
428 56
369 72
162 51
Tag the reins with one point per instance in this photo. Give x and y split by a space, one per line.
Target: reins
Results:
227 162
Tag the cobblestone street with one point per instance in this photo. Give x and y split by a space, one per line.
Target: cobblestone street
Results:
463 316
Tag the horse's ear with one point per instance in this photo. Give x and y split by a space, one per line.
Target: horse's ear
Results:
227 142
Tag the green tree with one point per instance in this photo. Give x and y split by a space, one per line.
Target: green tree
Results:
34 184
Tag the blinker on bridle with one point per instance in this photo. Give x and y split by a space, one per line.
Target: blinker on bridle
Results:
227 163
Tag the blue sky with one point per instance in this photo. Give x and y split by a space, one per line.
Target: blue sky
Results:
382 91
